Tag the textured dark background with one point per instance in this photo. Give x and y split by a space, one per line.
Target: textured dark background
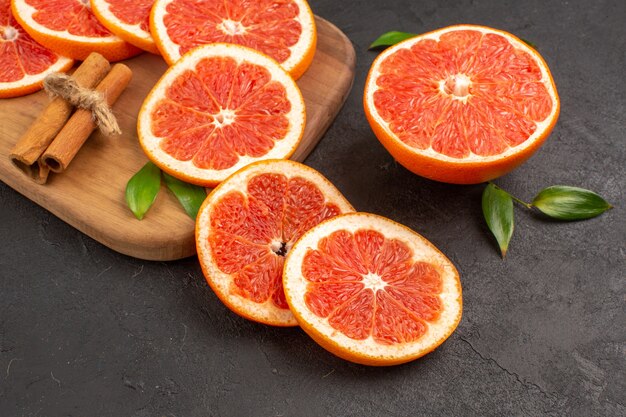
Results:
85 331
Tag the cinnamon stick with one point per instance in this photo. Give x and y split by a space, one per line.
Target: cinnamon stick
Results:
78 128
33 143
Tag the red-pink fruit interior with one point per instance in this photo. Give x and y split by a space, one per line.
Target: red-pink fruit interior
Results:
268 26
221 110
72 16
20 55
252 231
368 285
136 12
467 93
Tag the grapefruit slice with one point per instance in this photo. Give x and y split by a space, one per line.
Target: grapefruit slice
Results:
249 223
372 291
463 104
69 28
130 20
219 108
283 30
23 62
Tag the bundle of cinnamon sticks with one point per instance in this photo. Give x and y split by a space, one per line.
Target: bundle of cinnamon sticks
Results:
58 133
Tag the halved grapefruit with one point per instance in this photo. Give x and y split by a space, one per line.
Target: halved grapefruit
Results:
69 28
219 108
23 62
248 224
283 30
372 291
130 20
463 104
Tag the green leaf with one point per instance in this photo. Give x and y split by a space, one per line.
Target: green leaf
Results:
190 196
142 189
390 38
529 43
570 203
498 212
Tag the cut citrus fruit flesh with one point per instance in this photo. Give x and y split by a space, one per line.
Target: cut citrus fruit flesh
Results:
372 291
283 30
69 28
219 108
463 104
130 20
248 224
23 62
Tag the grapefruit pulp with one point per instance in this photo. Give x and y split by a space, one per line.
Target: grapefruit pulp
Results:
23 62
283 30
249 223
69 28
463 104
219 108
372 291
130 20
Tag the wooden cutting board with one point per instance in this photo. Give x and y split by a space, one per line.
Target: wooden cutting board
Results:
90 194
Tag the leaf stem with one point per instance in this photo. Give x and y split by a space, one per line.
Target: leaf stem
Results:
527 205
523 203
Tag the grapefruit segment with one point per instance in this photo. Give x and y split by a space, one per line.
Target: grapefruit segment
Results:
463 104
370 290
242 234
218 109
353 318
23 62
283 30
426 307
69 27
393 324
322 299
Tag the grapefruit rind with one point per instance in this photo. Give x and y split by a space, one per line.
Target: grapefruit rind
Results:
219 281
111 47
132 34
368 351
186 170
473 168
297 63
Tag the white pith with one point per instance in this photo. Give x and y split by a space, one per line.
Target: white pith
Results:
374 282
232 27
26 12
224 117
265 312
282 148
276 245
104 8
298 51
371 88
460 89
9 34
296 286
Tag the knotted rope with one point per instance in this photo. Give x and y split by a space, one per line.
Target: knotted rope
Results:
64 86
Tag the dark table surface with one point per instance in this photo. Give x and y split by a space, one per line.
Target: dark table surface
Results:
85 331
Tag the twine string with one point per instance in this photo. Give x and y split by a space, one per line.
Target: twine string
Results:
64 86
